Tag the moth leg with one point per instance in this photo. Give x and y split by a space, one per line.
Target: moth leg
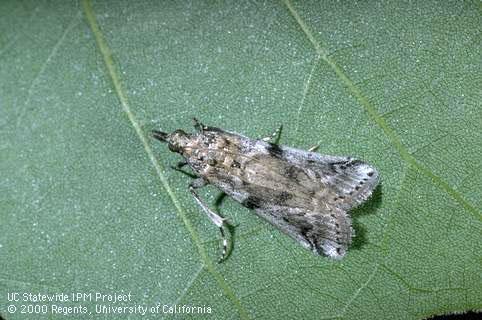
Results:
314 148
275 135
178 167
198 125
181 164
214 217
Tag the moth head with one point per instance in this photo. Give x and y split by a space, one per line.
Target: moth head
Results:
176 141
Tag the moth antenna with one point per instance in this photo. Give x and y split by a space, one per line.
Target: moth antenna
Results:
159 135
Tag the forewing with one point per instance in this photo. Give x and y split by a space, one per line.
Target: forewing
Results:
326 232
346 182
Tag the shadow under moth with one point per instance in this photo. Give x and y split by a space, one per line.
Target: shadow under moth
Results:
304 194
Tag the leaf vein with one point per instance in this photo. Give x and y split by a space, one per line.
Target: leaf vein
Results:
117 83
42 69
305 91
359 290
189 285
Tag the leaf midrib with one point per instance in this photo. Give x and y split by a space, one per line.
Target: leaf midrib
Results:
116 80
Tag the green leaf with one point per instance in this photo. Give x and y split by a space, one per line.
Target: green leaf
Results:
89 204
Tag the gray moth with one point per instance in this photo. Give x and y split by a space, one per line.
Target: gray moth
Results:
302 193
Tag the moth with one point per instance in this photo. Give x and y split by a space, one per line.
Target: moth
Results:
304 194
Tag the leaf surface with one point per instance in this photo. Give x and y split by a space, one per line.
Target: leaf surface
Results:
89 204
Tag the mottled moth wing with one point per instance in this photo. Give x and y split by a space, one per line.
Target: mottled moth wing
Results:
325 231
350 181
344 183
